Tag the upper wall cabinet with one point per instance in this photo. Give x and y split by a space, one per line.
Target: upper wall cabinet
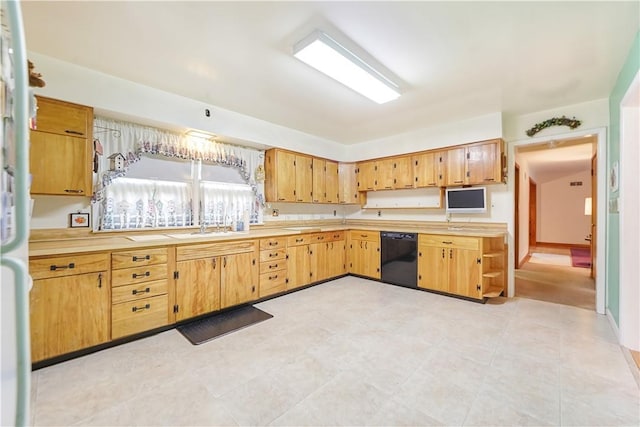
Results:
429 168
480 163
60 149
347 183
288 176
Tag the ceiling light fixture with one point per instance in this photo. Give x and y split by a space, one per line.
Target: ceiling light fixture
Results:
328 56
199 134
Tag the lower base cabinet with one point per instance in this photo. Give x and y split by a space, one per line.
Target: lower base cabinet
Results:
472 267
364 253
69 304
197 287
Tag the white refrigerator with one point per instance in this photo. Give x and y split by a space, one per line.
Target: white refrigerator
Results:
14 220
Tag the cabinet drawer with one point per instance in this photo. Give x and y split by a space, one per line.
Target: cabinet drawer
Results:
303 239
271 283
63 118
138 291
273 254
370 236
43 268
460 242
273 243
128 276
208 250
137 316
328 236
137 258
266 267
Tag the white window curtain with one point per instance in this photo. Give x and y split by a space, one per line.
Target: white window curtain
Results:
224 203
119 208
131 203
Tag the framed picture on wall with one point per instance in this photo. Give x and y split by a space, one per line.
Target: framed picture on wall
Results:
79 219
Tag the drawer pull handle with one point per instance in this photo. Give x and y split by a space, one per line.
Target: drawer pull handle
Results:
299 240
447 243
364 235
273 266
145 274
273 278
99 280
62 267
136 292
273 243
146 307
141 258
68 190
272 255
73 132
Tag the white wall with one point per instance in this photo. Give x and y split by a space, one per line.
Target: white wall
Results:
561 217
592 114
474 129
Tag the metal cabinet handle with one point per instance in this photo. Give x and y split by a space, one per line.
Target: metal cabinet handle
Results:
70 266
99 280
274 277
447 243
143 291
145 307
273 266
140 258
73 132
145 274
67 190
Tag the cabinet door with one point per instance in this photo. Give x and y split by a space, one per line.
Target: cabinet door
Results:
304 179
372 259
429 169
402 173
384 174
484 163
238 279
336 258
348 183
356 257
68 314
60 165
319 181
456 166
367 176
332 187
319 261
464 273
197 287
63 118
298 269
286 176
433 268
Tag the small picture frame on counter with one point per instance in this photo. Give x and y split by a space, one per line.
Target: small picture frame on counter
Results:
79 220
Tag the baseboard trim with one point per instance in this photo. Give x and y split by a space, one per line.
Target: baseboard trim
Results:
561 245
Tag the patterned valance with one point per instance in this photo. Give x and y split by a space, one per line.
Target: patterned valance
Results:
131 140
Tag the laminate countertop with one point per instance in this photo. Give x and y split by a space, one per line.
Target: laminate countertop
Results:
112 241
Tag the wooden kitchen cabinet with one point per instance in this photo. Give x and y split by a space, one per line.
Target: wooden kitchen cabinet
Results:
332 179
298 261
139 281
197 287
348 183
367 175
384 172
61 149
237 264
364 253
69 304
273 266
288 176
467 266
403 175
429 169
473 164
318 180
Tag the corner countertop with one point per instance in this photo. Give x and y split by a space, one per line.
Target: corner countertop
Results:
43 245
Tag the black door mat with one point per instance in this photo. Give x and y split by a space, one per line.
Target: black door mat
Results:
203 330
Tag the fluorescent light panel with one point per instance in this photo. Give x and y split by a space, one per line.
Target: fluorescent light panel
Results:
326 55
199 134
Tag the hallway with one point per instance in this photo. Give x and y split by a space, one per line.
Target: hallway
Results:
548 276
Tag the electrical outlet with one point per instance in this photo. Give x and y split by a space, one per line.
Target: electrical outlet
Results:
335 213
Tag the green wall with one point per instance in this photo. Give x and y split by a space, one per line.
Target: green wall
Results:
625 77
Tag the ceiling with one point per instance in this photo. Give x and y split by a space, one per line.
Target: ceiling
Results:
557 158
453 60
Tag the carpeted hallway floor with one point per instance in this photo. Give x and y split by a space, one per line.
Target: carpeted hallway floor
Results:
555 283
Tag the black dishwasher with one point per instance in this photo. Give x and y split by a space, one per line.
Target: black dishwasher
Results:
398 258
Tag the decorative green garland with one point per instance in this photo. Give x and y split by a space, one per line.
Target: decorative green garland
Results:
556 121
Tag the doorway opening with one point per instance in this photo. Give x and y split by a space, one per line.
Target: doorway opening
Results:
554 228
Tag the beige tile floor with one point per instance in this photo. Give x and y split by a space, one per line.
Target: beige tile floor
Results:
358 352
